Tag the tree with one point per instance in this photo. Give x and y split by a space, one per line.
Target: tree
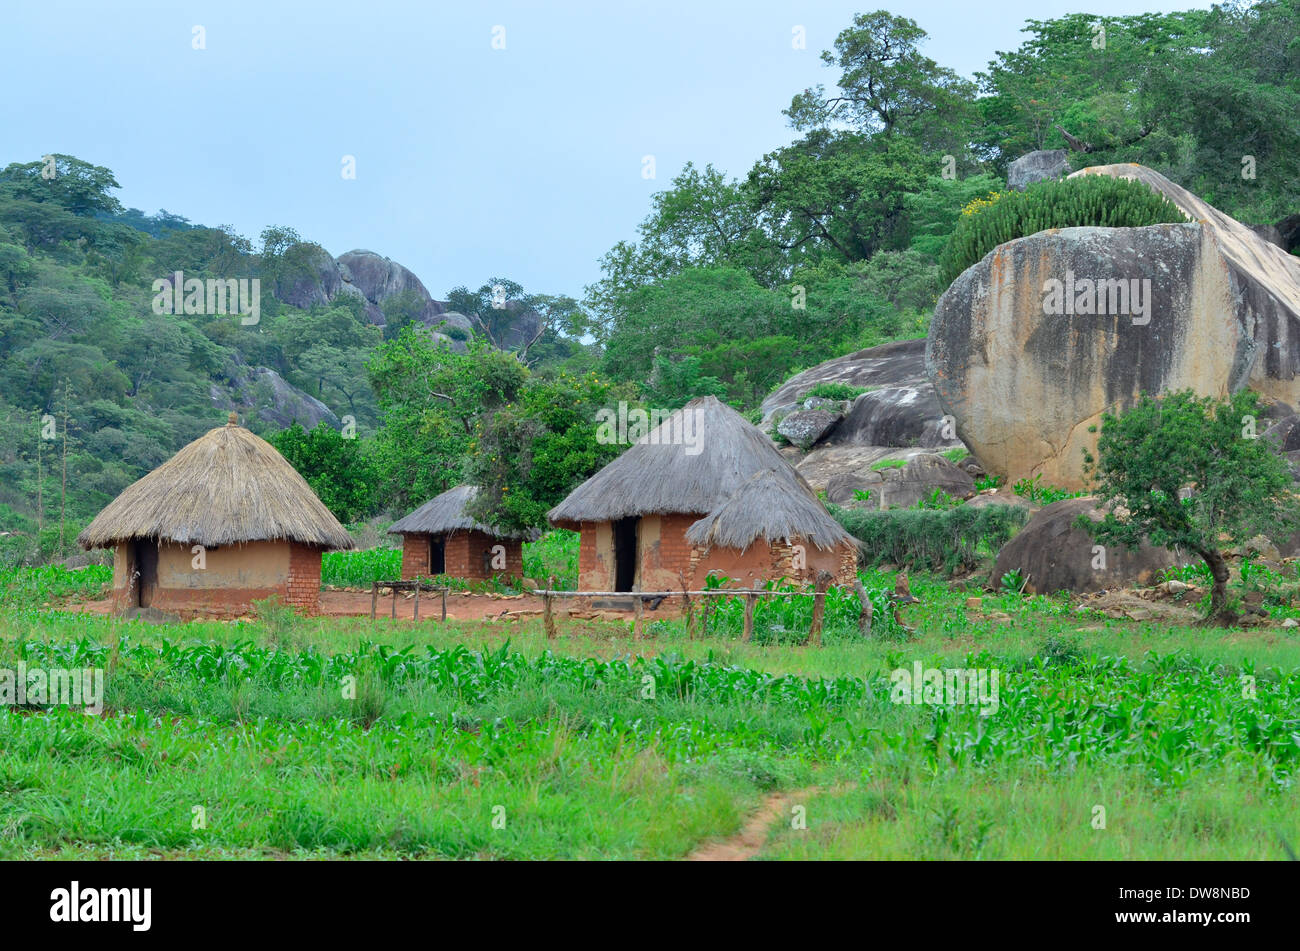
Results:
78 186
1186 471
534 450
886 85
335 466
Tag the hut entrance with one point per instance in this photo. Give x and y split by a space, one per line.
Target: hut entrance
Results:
437 554
146 563
625 532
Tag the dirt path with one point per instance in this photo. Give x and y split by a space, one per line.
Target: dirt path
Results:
747 843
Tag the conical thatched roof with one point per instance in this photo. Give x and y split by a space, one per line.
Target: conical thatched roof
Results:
227 486
446 513
691 463
774 505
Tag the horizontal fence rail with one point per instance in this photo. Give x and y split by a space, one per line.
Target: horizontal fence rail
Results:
751 596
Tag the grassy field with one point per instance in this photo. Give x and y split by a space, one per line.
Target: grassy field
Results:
350 738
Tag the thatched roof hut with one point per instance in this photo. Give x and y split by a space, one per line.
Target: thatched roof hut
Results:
774 506
227 486
445 513
440 537
692 462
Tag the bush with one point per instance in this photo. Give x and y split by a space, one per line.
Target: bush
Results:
951 540
835 391
1089 201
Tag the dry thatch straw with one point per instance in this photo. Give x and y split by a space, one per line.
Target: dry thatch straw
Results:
660 473
771 505
444 514
227 486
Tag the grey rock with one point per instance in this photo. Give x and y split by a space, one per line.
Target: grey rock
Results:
804 427
1052 553
1039 166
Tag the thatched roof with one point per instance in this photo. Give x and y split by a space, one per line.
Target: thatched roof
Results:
445 513
227 486
661 473
774 505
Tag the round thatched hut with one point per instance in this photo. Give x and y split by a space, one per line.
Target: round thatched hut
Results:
772 527
634 514
439 538
224 522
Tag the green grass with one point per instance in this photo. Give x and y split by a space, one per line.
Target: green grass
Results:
889 464
344 737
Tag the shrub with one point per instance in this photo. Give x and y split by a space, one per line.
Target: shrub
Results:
951 540
1089 201
835 391
1042 494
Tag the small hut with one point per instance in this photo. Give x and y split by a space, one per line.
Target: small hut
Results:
772 527
633 515
439 538
224 522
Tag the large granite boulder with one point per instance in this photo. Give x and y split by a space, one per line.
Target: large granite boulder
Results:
312 279
1052 553
901 487
804 427
379 278
1038 166
824 463
1285 434
264 394
901 409
1031 345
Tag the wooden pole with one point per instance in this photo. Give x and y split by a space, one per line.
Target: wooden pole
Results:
637 605
750 600
866 611
444 604
708 604
393 612
416 615
548 620
819 607
687 610
374 598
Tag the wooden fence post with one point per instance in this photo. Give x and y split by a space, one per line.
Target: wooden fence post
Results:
415 616
374 598
866 611
750 600
444 604
637 606
548 619
708 603
819 607
393 612
687 610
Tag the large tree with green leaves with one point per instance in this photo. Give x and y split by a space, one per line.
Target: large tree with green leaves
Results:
1189 472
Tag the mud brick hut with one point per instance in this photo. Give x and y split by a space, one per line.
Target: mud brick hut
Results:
224 522
439 538
772 527
634 515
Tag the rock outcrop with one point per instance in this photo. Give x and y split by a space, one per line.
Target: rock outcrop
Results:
263 393
1051 553
1038 166
901 409
1031 345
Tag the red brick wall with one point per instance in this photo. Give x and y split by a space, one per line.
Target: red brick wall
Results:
415 556
463 556
466 551
304 578
762 562
664 562
587 561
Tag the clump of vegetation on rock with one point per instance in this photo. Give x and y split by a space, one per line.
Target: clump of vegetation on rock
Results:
1089 201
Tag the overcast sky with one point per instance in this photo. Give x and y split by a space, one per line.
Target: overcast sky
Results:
471 162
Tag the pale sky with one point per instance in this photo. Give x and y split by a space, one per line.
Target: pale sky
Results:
471 162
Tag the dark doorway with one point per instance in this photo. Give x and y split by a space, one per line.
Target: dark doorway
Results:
146 563
625 531
437 554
